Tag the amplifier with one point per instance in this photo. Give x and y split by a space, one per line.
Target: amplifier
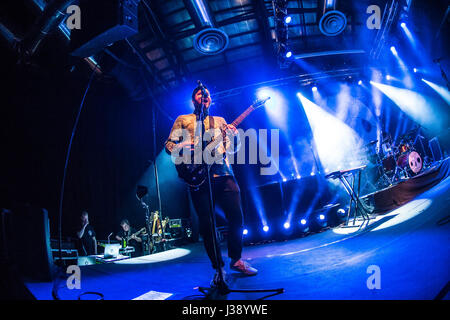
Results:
175 223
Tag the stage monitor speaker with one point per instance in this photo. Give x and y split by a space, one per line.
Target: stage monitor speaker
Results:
435 149
29 243
103 22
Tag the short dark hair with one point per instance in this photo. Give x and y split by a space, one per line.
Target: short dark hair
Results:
124 221
197 89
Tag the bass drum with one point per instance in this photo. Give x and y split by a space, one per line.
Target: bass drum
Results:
411 161
388 164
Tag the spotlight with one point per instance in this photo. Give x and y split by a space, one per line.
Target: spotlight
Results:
312 173
388 77
402 24
360 82
303 221
341 212
393 50
298 176
284 179
321 217
288 19
287 225
415 70
266 228
288 54
314 88
245 231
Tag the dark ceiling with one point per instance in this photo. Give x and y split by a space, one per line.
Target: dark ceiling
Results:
164 47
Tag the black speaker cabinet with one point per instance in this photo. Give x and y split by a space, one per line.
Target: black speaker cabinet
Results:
28 243
103 22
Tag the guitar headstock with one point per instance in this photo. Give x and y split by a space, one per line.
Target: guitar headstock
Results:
259 103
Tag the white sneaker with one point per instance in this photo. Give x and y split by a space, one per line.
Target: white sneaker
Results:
244 267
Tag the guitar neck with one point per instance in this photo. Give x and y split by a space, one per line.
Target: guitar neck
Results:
243 115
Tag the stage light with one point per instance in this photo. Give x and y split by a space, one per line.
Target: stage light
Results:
299 176
288 19
341 211
408 34
276 108
288 54
245 232
266 228
287 225
321 217
335 141
284 179
312 173
314 88
388 77
443 92
415 70
394 52
420 108
303 221
360 82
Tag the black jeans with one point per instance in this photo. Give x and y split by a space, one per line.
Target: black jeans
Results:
226 194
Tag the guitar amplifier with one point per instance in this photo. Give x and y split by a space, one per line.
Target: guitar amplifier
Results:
175 223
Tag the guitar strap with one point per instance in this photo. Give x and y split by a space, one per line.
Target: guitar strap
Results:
211 125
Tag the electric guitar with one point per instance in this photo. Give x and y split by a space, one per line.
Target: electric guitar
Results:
135 234
195 174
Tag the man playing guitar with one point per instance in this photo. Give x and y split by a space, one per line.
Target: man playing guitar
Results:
129 234
225 189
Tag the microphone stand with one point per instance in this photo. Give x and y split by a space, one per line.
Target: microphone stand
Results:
109 237
222 286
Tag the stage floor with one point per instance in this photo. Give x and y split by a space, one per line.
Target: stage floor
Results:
409 245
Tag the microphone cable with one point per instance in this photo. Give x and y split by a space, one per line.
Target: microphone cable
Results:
61 198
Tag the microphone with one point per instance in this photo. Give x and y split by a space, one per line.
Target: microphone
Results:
110 236
202 87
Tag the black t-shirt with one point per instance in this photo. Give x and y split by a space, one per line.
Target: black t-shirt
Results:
87 241
123 234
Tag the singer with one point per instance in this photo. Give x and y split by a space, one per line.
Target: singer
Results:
225 190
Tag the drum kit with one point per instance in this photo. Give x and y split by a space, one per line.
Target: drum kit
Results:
396 162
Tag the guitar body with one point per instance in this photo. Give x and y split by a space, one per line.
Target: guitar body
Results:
193 174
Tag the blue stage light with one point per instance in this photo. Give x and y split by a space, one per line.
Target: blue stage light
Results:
314 88
360 82
288 19
388 77
266 228
245 231
299 176
415 70
303 221
403 25
321 217
394 52
287 225
288 54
